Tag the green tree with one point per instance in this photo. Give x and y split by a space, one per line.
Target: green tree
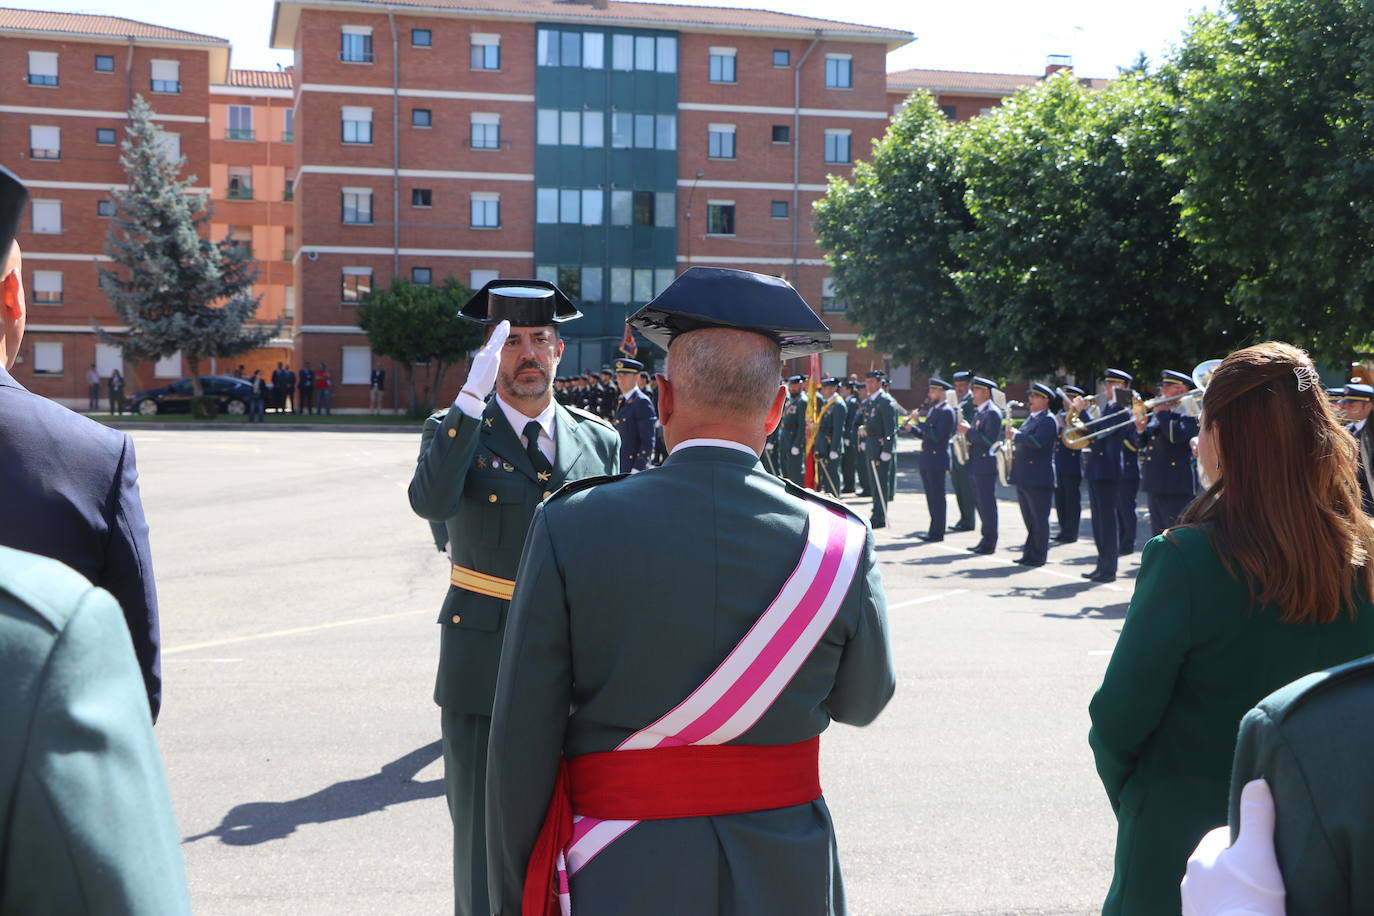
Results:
174 289
413 324
1277 160
889 234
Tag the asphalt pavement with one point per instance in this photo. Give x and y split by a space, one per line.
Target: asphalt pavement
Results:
299 597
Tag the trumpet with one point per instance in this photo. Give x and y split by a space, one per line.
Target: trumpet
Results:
1078 434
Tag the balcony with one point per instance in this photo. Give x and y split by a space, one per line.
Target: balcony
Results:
45 154
169 86
238 133
241 251
240 193
288 136
42 79
288 194
288 254
356 57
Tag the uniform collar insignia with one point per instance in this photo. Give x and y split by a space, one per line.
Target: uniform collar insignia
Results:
544 475
487 421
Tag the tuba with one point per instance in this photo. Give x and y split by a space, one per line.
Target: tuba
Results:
958 445
1002 449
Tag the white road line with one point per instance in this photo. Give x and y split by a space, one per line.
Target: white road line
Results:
927 599
196 647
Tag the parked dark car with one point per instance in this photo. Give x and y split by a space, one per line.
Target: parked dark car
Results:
231 394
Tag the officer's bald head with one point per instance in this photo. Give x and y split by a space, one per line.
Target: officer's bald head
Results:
724 371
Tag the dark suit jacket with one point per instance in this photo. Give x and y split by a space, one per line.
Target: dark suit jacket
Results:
1366 469
1033 465
935 432
69 490
1104 454
634 420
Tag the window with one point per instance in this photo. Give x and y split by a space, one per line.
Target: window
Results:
592 204
950 112
782 133
665 204
591 284
421 117
546 127
421 276
559 49
622 52
778 209
104 63
837 146
828 301
782 58
486 131
42 68
47 217
289 298
835 363
620 285
643 289
644 52
665 132
622 207
480 278
105 136
47 287
421 38
108 358
170 367
355 283
355 365
357 124
570 128
643 209
644 131
240 240
593 50
288 125
171 147
486 210
593 129
355 44
240 183
722 65
166 76
720 217
288 189
546 205
839 71
569 206
622 130
45 143
421 197
240 123
47 358
721 141
570 281
666 49
486 51
356 204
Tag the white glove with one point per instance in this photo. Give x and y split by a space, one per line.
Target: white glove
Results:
768 446
885 456
796 450
481 379
834 456
1244 879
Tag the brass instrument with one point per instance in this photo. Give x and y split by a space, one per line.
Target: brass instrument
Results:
1079 435
958 445
1002 449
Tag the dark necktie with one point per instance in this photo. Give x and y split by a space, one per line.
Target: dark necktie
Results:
542 468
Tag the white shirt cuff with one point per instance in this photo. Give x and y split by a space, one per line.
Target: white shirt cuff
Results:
469 405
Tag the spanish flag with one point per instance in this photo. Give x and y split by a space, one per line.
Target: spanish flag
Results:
627 343
813 416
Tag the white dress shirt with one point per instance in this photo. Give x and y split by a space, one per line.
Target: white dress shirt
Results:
548 444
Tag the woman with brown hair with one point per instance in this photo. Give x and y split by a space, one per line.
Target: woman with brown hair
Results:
1267 577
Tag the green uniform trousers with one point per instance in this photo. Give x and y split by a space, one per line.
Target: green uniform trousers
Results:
465 783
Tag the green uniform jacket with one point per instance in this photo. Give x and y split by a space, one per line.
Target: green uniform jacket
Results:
1313 741
1193 657
830 432
474 476
880 426
85 819
587 663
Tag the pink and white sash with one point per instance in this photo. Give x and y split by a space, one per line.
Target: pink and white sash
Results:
753 675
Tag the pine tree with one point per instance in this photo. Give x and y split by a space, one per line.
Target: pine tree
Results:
174 288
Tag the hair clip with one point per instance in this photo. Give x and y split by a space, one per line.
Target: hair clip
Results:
1307 377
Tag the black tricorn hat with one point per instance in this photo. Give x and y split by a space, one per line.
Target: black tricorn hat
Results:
13 198
718 297
524 303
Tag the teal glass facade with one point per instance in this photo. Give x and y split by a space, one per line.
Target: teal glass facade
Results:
605 173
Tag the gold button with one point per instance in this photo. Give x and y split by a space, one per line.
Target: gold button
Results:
491 498
452 433
548 493
457 619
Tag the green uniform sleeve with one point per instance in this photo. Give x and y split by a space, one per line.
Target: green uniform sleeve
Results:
865 680
530 716
91 827
1140 677
447 445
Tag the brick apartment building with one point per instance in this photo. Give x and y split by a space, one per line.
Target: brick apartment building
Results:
962 96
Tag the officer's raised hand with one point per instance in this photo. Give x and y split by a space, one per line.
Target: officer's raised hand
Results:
1241 879
486 362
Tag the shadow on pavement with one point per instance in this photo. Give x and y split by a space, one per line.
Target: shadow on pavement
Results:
1104 612
257 822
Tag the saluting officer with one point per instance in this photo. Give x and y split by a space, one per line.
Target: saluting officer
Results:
1103 470
885 391
935 431
634 418
1068 479
981 433
485 466
849 461
829 446
1357 401
1166 454
1032 473
792 431
879 432
958 471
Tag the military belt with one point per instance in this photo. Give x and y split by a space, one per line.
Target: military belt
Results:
473 581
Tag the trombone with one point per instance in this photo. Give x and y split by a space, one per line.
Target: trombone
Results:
1078 435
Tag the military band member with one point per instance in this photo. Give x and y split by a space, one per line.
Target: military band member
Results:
1068 479
1032 473
850 459
1102 467
879 436
792 432
1127 490
1357 400
958 472
1166 458
829 446
634 418
982 433
485 465
897 412
728 820
935 431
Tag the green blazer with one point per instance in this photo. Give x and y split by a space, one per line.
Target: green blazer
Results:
1192 658
830 432
85 818
474 477
880 426
1313 741
588 661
